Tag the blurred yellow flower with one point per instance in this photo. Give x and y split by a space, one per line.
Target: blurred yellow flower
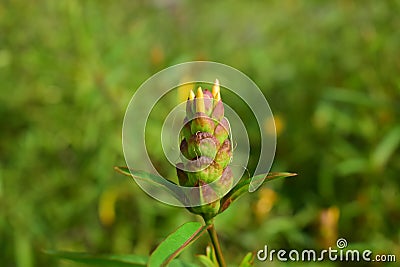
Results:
157 56
274 124
328 224
106 208
266 200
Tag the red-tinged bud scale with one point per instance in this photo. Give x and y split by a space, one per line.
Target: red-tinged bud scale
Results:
206 150
202 123
202 144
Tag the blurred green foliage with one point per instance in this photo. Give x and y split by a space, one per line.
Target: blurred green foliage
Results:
330 70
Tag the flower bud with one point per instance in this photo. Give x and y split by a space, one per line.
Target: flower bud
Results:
202 144
205 194
224 154
206 151
224 183
216 90
208 102
218 112
182 176
190 111
186 131
199 101
184 148
203 169
202 123
222 130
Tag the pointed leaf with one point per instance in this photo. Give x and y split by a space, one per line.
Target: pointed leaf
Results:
207 262
175 243
264 178
248 260
101 260
180 263
144 176
153 179
243 186
210 253
386 148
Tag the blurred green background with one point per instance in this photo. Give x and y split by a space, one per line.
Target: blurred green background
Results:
329 69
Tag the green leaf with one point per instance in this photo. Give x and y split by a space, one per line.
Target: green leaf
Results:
351 97
175 243
243 186
248 260
148 177
386 148
264 178
152 179
210 253
101 260
180 263
207 262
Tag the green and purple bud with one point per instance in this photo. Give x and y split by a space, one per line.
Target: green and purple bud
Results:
206 150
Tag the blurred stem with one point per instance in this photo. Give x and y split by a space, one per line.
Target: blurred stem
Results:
215 242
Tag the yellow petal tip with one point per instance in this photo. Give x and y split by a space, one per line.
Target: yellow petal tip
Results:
200 101
218 97
199 93
215 89
191 95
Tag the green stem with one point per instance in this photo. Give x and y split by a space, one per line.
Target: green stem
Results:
215 242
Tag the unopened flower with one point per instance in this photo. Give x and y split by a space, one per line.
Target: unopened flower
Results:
206 150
